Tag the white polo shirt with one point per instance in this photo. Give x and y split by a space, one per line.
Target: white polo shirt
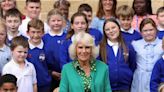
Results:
23 27
25 77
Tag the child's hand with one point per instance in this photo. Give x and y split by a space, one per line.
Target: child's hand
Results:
56 75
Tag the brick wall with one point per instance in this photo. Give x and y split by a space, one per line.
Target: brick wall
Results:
48 5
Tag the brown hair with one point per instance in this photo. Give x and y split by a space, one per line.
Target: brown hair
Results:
35 23
14 12
121 42
85 7
61 2
77 14
19 41
147 21
124 11
33 1
160 10
100 13
2 25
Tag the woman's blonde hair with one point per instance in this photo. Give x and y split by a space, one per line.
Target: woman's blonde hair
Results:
88 40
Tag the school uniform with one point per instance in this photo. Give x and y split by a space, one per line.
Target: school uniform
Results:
36 55
53 43
23 27
9 38
160 33
96 34
120 71
5 56
130 35
26 77
147 55
157 76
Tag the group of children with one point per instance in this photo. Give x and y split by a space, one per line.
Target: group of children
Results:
39 50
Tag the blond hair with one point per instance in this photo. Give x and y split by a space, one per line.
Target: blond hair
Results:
88 40
124 11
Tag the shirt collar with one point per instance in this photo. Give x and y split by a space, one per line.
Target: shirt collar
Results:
163 57
52 34
130 31
40 46
160 29
111 43
15 62
155 42
3 48
10 37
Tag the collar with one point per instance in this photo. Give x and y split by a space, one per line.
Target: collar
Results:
155 42
160 28
11 37
111 43
27 18
73 38
15 62
130 31
40 46
3 48
76 65
163 57
52 34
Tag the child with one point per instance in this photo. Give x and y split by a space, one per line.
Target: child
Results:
119 56
8 83
160 19
20 67
157 76
5 5
63 7
87 10
5 53
32 8
13 20
53 41
149 50
125 15
36 54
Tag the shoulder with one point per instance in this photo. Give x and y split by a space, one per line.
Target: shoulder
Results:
67 66
101 64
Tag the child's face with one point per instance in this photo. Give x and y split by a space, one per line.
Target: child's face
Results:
13 23
33 9
112 31
88 15
125 23
160 18
64 10
8 87
2 35
79 24
35 35
56 22
7 4
19 53
148 33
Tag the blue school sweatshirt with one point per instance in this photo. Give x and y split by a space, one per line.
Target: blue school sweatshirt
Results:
157 76
121 71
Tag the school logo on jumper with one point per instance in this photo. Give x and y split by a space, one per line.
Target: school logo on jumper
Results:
42 57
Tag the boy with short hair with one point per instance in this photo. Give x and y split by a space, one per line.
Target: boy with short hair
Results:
36 54
20 67
13 20
160 19
8 83
125 15
87 10
32 8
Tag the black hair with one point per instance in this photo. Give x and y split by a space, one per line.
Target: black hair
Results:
8 78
